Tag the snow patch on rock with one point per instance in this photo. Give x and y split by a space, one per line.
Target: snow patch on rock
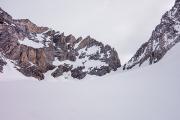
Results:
31 43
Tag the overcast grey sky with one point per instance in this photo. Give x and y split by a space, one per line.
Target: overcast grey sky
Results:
124 25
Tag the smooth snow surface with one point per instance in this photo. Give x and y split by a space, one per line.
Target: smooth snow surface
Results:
148 93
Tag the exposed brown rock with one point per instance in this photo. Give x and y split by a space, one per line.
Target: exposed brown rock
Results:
24 57
70 39
31 27
84 42
41 58
32 55
34 62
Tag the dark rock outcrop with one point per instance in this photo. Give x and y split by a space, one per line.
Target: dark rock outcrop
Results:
163 38
78 73
35 50
100 71
61 69
2 63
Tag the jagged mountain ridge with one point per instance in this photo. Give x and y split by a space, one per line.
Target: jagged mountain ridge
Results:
163 38
36 50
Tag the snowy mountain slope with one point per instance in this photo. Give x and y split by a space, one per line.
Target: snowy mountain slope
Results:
163 38
43 53
36 50
149 93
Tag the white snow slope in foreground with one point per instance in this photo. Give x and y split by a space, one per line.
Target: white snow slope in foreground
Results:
149 93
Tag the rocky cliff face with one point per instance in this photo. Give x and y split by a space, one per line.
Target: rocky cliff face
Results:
36 50
163 38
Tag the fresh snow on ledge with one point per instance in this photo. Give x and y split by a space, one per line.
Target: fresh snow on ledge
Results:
31 43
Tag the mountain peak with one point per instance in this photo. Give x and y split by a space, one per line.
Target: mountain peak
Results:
35 51
163 38
31 27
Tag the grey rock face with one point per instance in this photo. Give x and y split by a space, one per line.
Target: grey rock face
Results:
32 71
78 72
100 71
61 69
35 50
163 38
2 63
